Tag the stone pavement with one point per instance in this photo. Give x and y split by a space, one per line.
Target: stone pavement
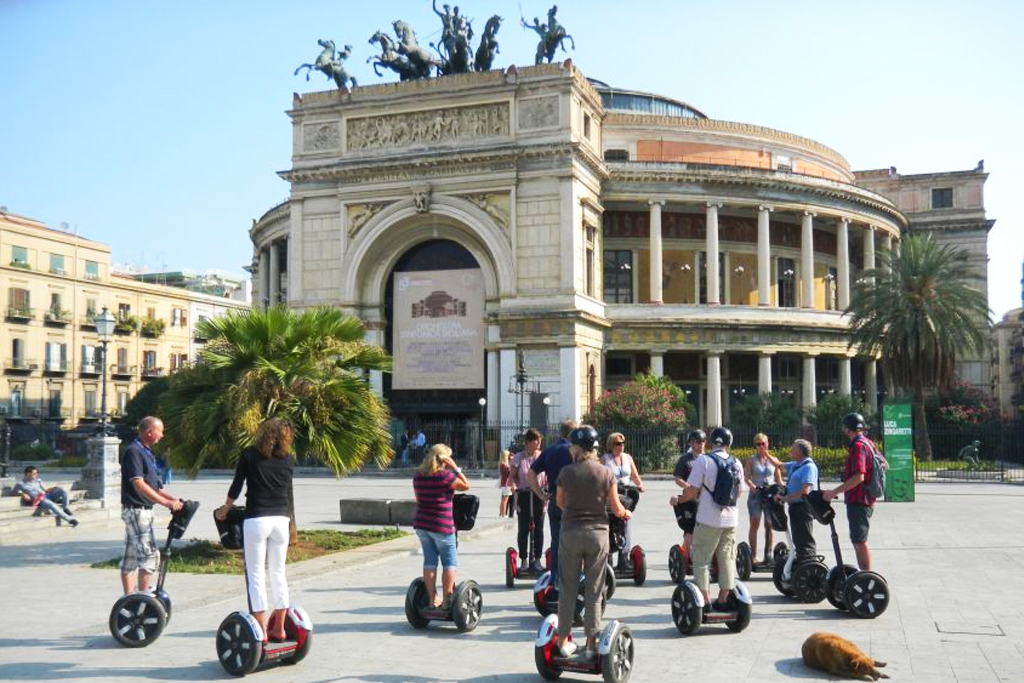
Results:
953 561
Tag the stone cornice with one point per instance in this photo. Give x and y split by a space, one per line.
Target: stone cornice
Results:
681 173
733 128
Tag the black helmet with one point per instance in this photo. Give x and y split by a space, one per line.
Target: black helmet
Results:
697 435
721 436
854 422
585 437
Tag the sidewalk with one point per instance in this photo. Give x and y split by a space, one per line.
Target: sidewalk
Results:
952 560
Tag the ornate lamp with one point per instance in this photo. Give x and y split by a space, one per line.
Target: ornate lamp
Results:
105 323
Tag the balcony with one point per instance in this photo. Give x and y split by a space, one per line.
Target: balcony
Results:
21 264
58 271
55 366
20 365
20 314
122 370
88 320
93 368
57 317
126 325
152 373
198 337
152 327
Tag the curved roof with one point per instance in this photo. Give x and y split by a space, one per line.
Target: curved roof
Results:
614 99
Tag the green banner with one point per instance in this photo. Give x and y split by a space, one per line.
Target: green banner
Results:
898 439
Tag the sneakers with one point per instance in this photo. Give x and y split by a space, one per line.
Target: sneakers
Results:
446 604
569 649
537 566
73 522
524 565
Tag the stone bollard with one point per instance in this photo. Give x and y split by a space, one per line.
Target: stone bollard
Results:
102 472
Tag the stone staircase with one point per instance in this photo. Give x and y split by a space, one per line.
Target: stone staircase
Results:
18 523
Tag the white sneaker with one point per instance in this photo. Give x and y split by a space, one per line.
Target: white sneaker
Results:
569 649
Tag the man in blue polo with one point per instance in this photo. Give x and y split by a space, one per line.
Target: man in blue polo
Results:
803 478
141 488
551 461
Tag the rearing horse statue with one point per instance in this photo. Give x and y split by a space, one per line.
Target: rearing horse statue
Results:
332 67
551 36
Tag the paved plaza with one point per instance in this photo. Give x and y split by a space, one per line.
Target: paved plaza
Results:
953 561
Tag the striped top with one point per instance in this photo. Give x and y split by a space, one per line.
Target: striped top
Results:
434 501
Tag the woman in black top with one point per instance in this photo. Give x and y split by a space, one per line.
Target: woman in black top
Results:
266 470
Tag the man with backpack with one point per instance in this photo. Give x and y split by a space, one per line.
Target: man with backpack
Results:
861 481
717 478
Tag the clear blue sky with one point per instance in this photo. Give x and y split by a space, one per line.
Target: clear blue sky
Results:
157 127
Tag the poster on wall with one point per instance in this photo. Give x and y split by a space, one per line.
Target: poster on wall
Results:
898 436
439 330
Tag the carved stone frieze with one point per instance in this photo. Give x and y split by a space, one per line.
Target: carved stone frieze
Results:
425 127
359 214
538 112
421 197
495 205
318 137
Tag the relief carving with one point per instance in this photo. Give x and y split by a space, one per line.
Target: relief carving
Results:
421 197
359 214
439 125
494 205
541 112
320 136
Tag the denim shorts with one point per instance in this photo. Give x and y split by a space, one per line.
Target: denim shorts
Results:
755 503
438 545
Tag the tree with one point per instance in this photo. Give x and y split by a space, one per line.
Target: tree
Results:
307 367
916 314
678 396
771 413
827 417
146 402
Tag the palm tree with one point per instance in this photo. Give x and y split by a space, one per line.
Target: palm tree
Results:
916 314
307 367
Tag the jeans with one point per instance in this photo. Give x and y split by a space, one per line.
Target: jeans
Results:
801 523
437 545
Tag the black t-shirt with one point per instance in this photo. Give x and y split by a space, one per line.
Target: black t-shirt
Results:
682 471
138 462
267 483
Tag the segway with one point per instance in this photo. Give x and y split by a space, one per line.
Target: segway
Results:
775 514
680 563
242 646
138 619
805 579
615 651
513 572
627 565
467 601
689 610
545 598
864 593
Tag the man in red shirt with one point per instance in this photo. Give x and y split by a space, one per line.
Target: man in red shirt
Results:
856 473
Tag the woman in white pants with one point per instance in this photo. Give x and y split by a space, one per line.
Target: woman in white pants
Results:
266 470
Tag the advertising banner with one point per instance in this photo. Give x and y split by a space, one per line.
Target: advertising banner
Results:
439 330
898 437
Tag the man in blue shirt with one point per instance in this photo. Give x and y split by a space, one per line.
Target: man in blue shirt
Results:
803 478
551 461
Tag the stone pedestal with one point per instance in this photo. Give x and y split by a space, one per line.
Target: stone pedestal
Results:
101 475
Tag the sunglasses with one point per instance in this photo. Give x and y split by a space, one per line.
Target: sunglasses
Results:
618 443
760 443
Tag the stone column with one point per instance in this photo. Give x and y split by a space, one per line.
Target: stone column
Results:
275 274
714 407
764 374
807 258
871 385
810 384
656 258
869 247
764 257
711 251
493 386
845 377
568 357
658 363
887 246
102 472
263 281
843 263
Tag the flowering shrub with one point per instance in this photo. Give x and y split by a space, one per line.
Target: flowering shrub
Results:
962 405
636 403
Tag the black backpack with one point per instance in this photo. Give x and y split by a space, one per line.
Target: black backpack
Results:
727 483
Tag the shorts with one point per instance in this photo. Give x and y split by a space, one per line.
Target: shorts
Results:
140 551
755 504
437 545
859 517
687 517
506 490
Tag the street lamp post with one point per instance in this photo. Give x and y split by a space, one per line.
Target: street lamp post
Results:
104 328
483 423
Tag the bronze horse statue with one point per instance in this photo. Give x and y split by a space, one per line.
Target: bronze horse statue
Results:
330 66
488 45
390 58
551 36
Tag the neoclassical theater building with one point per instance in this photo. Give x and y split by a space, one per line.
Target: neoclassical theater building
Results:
475 220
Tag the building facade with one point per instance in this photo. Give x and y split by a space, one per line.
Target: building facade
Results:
613 232
56 284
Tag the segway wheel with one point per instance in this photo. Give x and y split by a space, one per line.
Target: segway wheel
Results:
610 583
238 648
618 663
542 657
777 573
744 561
810 581
686 613
510 567
137 619
415 600
639 565
743 613
836 583
293 632
540 598
779 552
467 605
581 601
675 563
866 595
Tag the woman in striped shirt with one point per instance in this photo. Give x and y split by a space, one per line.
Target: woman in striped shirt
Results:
435 484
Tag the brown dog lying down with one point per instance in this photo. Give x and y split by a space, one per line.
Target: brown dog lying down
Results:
839 657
